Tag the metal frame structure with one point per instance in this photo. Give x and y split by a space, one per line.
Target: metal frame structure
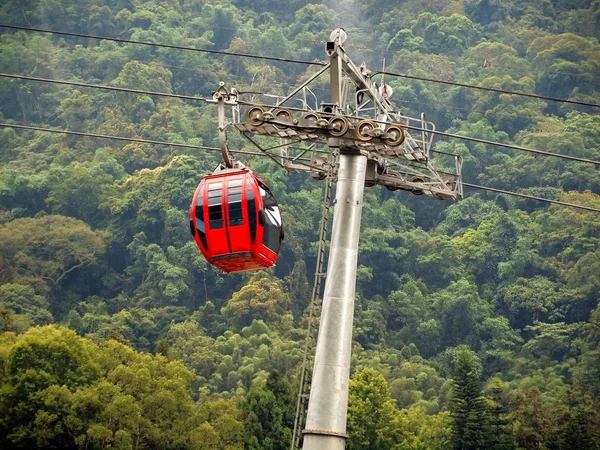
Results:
299 142
376 150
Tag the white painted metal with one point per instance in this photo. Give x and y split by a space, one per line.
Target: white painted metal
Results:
328 402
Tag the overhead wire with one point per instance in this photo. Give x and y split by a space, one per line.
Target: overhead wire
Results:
145 141
190 97
296 61
110 88
510 146
185 97
201 147
456 136
181 96
100 86
123 138
530 197
171 46
489 89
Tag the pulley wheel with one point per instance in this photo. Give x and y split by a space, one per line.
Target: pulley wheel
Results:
363 127
313 117
396 135
418 179
281 113
450 182
338 126
396 174
255 115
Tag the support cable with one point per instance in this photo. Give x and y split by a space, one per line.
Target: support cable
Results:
190 97
126 139
456 136
530 197
482 88
152 44
100 86
296 61
500 144
216 149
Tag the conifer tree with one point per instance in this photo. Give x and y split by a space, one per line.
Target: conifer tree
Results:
269 414
499 429
577 431
468 405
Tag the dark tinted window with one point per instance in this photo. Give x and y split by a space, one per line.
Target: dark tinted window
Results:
234 198
272 234
250 202
215 208
200 218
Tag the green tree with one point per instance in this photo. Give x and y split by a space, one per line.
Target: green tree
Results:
269 412
531 423
37 364
467 406
373 421
485 11
60 390
44 251
75 110
194 348
578 431
498 415
564 64
79 193
25 307
459 310
261 298
530 300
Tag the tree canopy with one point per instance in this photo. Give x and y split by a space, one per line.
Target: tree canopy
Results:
477 322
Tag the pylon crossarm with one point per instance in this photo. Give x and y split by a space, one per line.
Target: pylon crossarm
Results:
302 86
408 178
359 135
258 146
315 166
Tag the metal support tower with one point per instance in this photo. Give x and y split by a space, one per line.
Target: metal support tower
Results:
328 401
372 151
314 308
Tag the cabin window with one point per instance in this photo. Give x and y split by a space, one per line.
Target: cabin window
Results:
215 207
272 233
250 203
200 218
234 199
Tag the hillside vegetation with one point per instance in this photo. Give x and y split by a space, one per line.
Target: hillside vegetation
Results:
477 323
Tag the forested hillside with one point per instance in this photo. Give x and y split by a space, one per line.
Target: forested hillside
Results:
477 323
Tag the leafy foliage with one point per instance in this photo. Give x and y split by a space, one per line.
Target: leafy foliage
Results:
93 233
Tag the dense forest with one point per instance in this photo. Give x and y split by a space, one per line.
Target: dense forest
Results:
477 323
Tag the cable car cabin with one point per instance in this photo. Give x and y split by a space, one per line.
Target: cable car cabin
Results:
236 222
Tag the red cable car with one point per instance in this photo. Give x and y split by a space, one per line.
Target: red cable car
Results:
236 222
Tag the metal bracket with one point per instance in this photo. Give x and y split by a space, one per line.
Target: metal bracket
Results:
220 98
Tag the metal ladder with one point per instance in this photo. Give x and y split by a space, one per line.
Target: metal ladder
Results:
314 309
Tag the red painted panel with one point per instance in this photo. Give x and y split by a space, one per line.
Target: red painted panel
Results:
226 220
216 232
237 225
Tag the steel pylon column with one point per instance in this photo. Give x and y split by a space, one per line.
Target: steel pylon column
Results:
328 401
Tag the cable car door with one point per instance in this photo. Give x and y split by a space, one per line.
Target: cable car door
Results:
216 230
237 222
